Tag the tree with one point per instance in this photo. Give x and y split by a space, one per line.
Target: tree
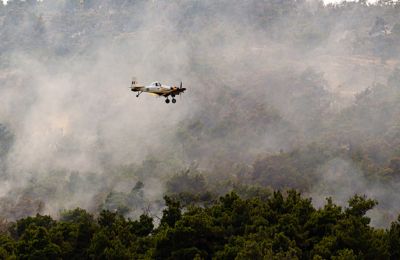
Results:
143 227
19 228
7 247
172 212
394 239
35 243
78 228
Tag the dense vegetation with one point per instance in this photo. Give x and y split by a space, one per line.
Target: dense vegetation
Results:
282 226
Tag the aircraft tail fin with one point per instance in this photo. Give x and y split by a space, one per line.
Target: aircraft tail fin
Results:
134 82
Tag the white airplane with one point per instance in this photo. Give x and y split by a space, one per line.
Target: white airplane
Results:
156 88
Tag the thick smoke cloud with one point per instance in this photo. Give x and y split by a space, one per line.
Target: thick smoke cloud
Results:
258 82
340 179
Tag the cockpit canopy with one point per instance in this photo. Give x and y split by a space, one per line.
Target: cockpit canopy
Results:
156 84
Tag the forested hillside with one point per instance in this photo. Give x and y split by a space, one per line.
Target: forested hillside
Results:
284 97
279 227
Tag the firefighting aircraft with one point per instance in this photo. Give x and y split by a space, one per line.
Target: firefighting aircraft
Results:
158 89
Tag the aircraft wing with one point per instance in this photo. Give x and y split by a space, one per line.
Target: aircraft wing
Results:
174 91
137 88
177 91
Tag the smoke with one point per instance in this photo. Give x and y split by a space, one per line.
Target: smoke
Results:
340 179
258 81
75 113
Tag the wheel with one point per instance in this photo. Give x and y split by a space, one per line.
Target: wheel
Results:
174 100
167 101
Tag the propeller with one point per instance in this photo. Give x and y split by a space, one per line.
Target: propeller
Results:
180 88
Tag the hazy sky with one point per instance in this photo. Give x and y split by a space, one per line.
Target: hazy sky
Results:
325 1
338 1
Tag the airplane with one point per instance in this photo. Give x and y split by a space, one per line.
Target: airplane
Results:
156 88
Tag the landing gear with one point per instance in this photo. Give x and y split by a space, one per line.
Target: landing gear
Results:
173 100
138 94
173 95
